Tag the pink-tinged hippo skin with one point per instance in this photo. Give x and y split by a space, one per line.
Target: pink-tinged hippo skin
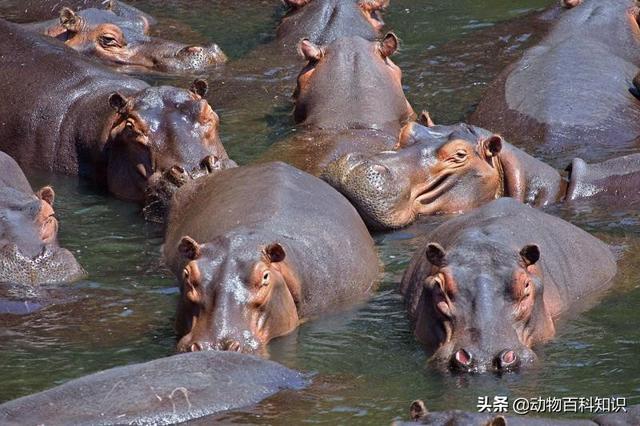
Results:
161 392
42 10
323 21
489 285
570 95
448 169
29 250
421 416
349 98
259 249
123 42
79 118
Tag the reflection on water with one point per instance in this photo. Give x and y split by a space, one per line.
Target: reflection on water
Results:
368 365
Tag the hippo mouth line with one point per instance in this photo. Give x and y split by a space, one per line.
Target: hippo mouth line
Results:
434 189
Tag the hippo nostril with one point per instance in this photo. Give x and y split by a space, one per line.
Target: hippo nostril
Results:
463 358
230 345
195 347
507 359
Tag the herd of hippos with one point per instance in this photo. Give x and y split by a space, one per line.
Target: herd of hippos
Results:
259 248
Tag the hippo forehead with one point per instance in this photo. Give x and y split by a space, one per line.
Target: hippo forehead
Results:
162 97
479 255
17 201
95 17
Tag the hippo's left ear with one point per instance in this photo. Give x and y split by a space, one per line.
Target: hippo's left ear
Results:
275 253
425 119
69 20
199 87
118 102
189 248
389 45
47 194
310 51
436 255
530 254
491 146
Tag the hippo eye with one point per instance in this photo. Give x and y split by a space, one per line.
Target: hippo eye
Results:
265 278
460 155
185 274
108 40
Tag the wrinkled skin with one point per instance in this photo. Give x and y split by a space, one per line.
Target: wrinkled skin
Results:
246 279
164 391
489 285
348 98
454 169
569 95
122 41
323 21
420 415
29 250
96 123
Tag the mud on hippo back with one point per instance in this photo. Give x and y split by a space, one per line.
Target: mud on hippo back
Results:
489 284
323 21
29 250
97 123
298 249
123 42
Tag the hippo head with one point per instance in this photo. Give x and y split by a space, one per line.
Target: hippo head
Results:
122 41
435 170
351 83
29 251
237 293
482 307
156 129
325 20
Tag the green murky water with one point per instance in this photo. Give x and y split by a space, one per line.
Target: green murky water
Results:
368 365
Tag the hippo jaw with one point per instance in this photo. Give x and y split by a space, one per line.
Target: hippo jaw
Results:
51 266
482 308
234 304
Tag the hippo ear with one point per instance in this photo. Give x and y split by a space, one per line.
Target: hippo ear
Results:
69 20
492 146
389 45
374 4
425 119
417 410
275 253
436 255
530 254
110 5
199 87
498 421
310 51
296 3
47 194
189 248
118 102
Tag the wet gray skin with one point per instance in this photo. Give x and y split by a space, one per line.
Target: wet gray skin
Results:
29 251
488 285
123 41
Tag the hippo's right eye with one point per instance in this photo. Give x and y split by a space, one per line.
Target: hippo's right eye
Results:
108 40
460 155
185 274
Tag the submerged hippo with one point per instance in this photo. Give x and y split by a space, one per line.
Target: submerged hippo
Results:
259 249
29 251
569 96
123 42
348 98
78 118
323 21
454 169
489 284
161 392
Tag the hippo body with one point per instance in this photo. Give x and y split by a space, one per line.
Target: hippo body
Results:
570 95
268 237
349 98
444 169
79 118
160 392
123 42
323 21
29 251
490 283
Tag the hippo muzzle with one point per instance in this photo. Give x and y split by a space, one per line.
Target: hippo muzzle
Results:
49 265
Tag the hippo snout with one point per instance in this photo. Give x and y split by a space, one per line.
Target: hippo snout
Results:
467 360
186 344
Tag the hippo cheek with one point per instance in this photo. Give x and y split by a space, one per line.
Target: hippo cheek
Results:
52 265
277 317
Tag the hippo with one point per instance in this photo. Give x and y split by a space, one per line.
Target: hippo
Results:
160 392
41 10
490 284
94 122
333 116
29 250
569 96
122 42
323 21
297 249
444 169
421 416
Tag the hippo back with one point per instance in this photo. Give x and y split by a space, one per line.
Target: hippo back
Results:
323 234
